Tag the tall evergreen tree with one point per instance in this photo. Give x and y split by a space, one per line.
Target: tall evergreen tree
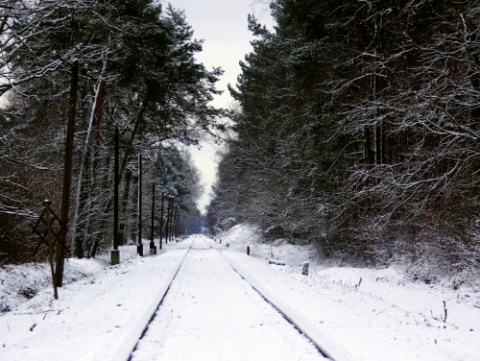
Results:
361 117
138 73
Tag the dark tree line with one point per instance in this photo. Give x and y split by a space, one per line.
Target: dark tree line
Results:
137 72
359 130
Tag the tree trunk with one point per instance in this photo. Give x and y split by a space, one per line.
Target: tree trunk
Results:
67 175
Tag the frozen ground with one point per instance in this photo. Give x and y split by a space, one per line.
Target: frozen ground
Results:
375 314
388 316
224 318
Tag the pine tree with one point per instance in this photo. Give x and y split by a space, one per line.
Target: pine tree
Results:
138 72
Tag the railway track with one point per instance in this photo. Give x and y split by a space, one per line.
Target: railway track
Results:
226 311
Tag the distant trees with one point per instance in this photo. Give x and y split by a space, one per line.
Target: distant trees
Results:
137 72
359 130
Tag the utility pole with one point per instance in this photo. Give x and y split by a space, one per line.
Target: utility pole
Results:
167 222
115 253
67 174
175 223
139 209
153 249
161 223
50 245
172 213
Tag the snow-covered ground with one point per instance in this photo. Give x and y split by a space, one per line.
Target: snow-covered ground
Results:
378 314
223 316
375 314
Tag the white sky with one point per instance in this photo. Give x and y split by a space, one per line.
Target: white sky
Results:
222 24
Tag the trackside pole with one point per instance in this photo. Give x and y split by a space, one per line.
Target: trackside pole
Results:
153 248
167 222
115 253
50 245
67 174
161 222
139 209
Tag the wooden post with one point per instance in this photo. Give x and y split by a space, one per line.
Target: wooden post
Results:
172 210
139 208
50 245
67 174
175 223
115 254
161 222
167 222
153 249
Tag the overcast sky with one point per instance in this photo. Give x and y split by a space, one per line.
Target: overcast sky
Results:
222 24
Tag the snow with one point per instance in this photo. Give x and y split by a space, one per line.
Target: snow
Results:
388 317
209 314
227 319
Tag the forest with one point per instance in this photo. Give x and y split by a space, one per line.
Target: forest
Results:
357 126
75 71
358 130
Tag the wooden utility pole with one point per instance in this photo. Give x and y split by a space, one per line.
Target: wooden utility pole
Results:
153 248
139 210
172 213
175 223
167 222
115 253
50 245
161 222
67 174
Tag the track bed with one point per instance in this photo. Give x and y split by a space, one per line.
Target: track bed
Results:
228 319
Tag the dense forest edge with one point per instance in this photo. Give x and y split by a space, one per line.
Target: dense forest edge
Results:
358 130
124 65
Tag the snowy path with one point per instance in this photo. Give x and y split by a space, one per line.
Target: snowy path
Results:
95 319
224 316
363 320
210 313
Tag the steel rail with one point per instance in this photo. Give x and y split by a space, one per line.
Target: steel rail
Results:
326 347
129 344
